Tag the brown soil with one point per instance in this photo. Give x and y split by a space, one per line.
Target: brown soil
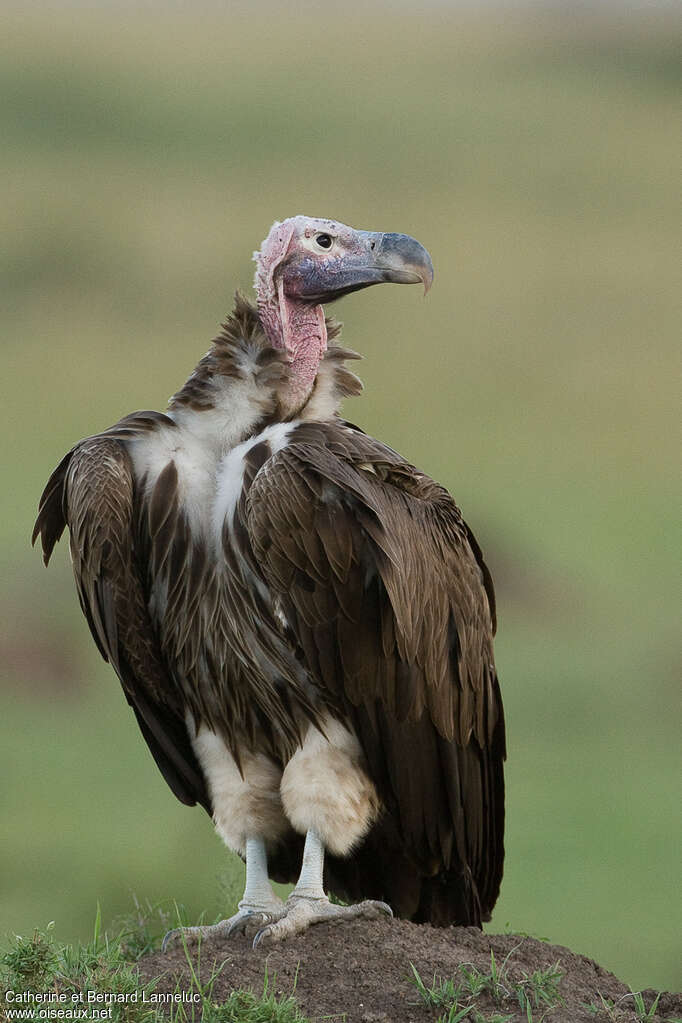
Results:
359 972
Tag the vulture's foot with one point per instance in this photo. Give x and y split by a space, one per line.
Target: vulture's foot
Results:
301 912
251 919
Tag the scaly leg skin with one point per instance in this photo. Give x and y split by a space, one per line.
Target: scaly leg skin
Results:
308 903
259 904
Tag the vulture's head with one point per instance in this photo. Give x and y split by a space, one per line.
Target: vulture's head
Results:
305 262
317 261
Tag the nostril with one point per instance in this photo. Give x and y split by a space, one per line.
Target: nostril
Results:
372 246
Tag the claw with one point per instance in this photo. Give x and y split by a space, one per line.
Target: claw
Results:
168 937
384 907
262 933
237 923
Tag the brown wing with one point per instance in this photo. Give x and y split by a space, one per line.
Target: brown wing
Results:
386 593
92 491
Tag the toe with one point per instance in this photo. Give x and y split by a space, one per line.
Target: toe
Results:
247 921
298 917
302 912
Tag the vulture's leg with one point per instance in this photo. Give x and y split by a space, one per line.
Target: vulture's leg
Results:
259 905
328 796
247 811
308 903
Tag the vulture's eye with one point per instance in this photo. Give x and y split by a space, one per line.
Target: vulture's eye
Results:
325 241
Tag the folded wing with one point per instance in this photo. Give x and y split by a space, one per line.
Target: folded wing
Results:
93 491
384 590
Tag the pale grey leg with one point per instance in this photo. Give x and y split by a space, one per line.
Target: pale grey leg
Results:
259 905
308 903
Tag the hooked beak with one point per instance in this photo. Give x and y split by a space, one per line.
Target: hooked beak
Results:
371 258
401 259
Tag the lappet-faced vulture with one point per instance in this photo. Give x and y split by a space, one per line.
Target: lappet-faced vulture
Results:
302 622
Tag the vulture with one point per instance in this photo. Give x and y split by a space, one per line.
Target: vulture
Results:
301 621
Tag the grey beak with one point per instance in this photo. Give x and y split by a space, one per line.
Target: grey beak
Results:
403 259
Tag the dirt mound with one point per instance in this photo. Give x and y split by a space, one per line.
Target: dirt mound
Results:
359 972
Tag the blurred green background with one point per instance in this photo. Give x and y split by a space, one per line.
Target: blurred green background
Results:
144 156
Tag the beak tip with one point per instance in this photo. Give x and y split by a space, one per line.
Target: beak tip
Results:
427 275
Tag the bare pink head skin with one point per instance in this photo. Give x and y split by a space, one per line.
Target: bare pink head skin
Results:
305 262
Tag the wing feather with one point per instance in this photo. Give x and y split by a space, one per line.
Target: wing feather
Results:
93 492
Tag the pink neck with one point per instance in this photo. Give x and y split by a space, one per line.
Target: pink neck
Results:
300 331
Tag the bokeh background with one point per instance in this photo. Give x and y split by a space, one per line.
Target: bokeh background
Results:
145 153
